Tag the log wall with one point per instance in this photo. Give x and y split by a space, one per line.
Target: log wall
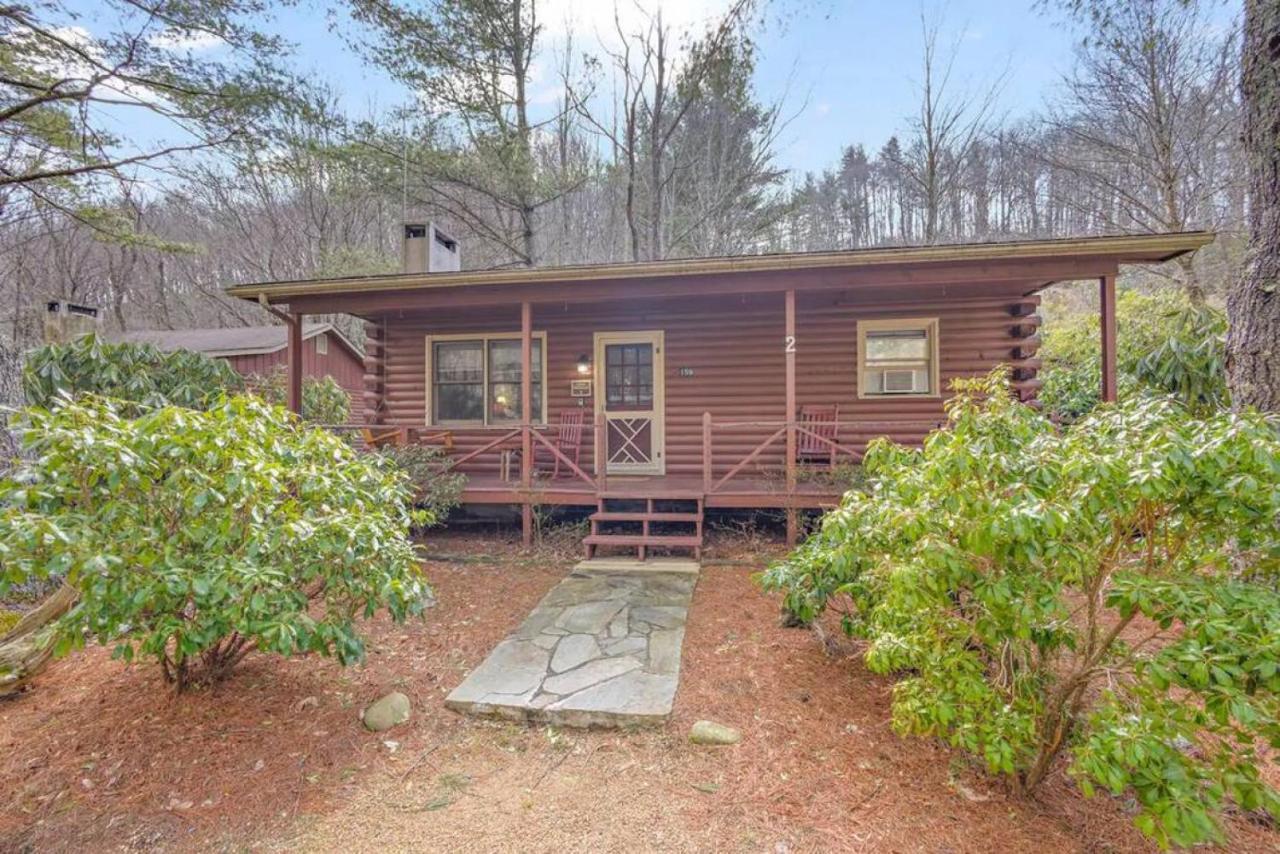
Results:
733 346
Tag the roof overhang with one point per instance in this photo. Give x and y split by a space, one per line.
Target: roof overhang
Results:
1042 262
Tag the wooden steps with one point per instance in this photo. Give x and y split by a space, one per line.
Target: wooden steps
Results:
606 516
677 517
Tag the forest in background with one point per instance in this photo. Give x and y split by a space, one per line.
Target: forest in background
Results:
658 147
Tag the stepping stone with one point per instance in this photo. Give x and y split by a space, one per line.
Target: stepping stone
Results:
602 648
513 669
625 646
664 616
591 673
664 650
633 698
589 618
618 625
572 651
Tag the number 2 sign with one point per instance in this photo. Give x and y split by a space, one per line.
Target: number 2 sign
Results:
790 346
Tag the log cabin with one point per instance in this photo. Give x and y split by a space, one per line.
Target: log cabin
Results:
652 391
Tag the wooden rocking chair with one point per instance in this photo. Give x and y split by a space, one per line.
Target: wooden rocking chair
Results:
568 441
378 435
821 421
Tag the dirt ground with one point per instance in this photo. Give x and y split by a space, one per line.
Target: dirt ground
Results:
99 757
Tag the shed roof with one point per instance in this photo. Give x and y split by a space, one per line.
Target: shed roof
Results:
1125 249
231 341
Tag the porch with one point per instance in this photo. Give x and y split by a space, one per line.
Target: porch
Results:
691 381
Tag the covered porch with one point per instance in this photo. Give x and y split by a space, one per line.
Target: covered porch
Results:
725 361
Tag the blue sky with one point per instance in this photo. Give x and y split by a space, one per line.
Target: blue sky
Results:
847 69
851 64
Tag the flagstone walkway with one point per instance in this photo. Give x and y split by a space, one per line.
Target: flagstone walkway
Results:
601 649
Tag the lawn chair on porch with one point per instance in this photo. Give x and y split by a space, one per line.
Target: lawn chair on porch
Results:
568 441
823 422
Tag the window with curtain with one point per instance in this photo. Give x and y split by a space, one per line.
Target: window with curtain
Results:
478 381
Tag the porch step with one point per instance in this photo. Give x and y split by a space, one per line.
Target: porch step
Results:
640 494
686 540
624 525
611 516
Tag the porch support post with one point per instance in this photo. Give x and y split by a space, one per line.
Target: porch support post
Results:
706 452
526 418
294 363
789 352
1107 301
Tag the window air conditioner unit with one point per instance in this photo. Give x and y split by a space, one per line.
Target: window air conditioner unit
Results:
899 381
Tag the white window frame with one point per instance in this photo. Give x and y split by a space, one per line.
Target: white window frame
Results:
539 418
929 325
322 344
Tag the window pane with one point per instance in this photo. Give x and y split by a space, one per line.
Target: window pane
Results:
905 345
504 402
504 360
458 362
459 402
629 376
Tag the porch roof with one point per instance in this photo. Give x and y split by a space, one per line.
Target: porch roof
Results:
1045 261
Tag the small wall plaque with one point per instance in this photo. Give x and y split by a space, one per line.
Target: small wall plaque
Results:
580 388
686 372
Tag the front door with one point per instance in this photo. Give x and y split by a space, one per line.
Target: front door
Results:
629 391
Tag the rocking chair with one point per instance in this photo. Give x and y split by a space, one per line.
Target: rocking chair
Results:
821 422
568 441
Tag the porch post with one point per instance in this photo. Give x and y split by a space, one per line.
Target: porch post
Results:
294 363
789 351
1107 300
526 418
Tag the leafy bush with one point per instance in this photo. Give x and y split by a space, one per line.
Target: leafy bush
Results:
1038 590
195 537
323 400
436 487
139 374
1164 344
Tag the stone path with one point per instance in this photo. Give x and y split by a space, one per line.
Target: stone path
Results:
601 649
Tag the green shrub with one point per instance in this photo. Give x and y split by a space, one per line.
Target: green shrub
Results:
1037 590
139 374
1164 344
323 400
194 537
436 487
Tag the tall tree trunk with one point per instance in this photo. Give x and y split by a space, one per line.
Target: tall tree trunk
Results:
524 172
1253 304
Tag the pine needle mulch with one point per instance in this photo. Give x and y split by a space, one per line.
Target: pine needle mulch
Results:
100 757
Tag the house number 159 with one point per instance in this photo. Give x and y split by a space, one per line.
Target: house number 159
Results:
790 344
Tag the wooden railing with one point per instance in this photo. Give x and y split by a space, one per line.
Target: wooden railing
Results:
835 448
516 439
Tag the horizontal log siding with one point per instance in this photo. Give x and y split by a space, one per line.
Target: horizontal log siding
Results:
347 370
734 346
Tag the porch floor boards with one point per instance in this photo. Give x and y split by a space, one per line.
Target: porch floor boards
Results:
741 492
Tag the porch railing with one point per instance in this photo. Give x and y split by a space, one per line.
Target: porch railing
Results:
516 439
713 481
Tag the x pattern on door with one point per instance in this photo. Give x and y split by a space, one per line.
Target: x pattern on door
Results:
627 442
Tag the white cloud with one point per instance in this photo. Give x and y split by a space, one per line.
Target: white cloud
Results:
591 22
188 41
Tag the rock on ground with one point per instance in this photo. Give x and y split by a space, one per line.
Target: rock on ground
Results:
386 712
710 732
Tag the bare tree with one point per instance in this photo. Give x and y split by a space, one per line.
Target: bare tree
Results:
946 128
660 84
1149 121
